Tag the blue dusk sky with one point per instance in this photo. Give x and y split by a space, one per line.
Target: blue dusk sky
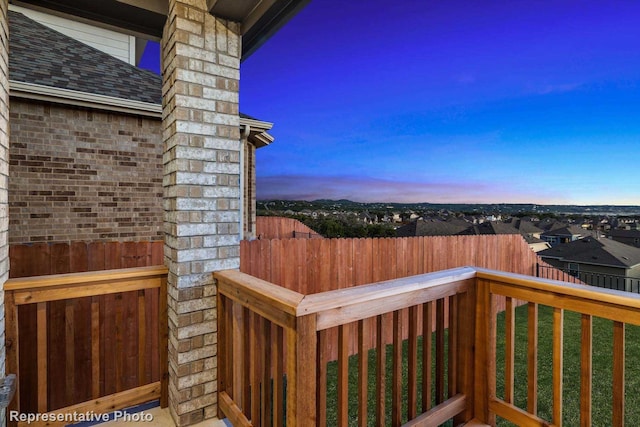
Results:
451 102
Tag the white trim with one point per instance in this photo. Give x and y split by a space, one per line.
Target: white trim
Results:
259 124
132 50
82 99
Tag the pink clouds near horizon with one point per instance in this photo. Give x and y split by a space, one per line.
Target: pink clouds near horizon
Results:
369 189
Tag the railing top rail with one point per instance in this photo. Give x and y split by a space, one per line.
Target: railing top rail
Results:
340 298
84 278
578 291
251 291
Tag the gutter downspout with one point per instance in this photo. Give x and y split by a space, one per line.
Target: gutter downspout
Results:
244 137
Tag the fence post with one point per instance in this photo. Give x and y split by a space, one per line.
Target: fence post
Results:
301 372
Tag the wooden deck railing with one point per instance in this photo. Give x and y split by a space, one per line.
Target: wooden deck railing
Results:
589 303
273 364
252 374
91 341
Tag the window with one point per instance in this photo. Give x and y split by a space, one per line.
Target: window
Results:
574 269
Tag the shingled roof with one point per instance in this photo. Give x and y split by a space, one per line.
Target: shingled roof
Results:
42 56
490 227
595 251
431 227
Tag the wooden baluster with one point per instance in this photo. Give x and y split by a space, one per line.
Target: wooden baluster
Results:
618 373
396 385
532 358
509 350
558 323
412 360
224 348
255 353
381 363
321 387
453 346
266 392
440 351
427 339
245 361
95 347
586 352
238 378
363 377
42 356
70 371
343 375
278 378
142 338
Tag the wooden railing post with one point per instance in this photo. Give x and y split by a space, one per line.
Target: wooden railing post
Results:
485 338
12 347
466 318
301 372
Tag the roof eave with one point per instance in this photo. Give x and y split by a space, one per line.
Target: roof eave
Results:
38 92
17 89
146 18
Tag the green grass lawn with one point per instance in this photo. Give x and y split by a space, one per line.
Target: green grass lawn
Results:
602 367
602 372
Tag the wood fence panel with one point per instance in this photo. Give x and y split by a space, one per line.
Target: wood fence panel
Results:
82 348
311 266
274 227
96 256
41 259
328 264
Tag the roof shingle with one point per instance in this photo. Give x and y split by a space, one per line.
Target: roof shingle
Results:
40 55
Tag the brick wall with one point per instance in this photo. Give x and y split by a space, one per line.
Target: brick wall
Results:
77 174
4 175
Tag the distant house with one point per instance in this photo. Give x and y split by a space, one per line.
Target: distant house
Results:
529 233
562 234
629 237
594 261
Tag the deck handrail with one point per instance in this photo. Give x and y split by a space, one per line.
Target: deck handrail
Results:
245 303
473 394
83 278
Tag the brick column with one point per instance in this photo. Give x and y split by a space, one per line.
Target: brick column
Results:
201 72
4 178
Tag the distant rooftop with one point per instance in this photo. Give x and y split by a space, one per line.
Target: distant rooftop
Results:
590 250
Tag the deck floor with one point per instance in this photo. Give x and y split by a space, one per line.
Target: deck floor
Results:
161 418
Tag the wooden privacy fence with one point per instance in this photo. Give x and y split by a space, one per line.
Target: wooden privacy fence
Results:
92 341
277 227
418 381
310 266
41 259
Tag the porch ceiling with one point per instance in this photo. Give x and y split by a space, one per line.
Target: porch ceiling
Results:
260 18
